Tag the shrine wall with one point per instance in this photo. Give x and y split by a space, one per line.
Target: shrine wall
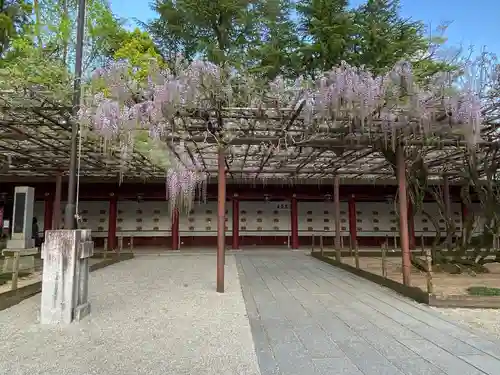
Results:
260 222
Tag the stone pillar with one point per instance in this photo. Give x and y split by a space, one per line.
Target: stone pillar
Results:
236 222
175 229
65 276
21 240
294 217
113 212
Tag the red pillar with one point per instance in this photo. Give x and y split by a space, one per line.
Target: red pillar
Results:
411 226
353 226
403 215
113 211
336 200
48 212
294 217
175 229
236 222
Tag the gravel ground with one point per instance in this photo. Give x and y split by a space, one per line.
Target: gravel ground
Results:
151 315
487 320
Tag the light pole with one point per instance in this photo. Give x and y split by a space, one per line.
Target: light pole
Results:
70 209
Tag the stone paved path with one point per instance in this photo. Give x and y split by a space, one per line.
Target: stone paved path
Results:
308 317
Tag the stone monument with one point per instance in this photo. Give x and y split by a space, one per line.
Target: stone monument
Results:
21 240
65 255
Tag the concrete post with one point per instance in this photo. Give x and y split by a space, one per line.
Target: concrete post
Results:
65 276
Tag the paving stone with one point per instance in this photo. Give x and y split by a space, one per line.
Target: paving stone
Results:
449 363
317 319
337 366
446 342
417 366
367 359
318 343
387 346
488 364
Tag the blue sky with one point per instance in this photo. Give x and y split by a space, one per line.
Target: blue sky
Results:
474 23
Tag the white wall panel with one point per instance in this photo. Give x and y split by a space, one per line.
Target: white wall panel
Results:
94 216
425 227
202 219
376 219
143 219
317 217
265 218
256 218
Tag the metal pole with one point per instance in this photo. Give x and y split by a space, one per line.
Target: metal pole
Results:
70 209
56 215
221 221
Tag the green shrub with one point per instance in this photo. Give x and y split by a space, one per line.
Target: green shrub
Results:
483 291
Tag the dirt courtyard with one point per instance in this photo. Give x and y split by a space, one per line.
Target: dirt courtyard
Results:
444 283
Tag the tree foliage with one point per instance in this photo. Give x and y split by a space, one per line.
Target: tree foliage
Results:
293 38
14 15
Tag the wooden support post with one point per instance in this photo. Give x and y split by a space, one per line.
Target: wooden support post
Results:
353 230
294 224
312 243
384 259
221 220
422 243
403 215
428 258
112 221
120 247
356 253
321 243
447 206
336 195
105 248
15 270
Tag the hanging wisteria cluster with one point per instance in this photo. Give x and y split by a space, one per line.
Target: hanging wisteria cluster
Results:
119 104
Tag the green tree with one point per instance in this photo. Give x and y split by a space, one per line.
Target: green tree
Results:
382 37
43 54
275 52
326 27
14 16
220 31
